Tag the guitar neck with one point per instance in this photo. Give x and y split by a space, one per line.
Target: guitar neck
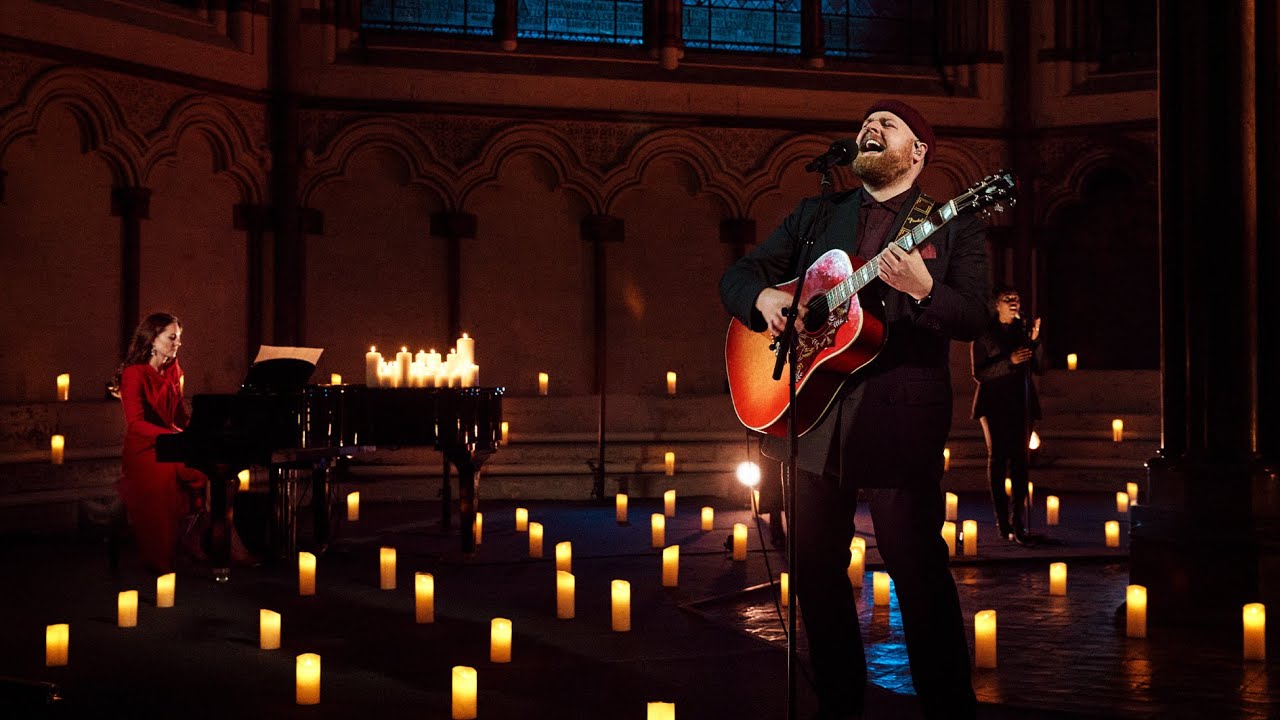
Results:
863 276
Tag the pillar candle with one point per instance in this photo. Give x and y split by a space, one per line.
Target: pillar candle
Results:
784 582
387 568
353 506
1008 487
669 503
739 542
1031 492
671 566
1058 578
860 543
661 711
64 386
564 556
755 502
1255 631
671 383
984 639
621 607
477 528
1135 625
57 446
953 505
165 590
500 640
1132 489
424 598
242 478
1072 359
544 381
620 508
565 591
708 518
335 379
506 429
535 539
308 679
464 693
372 367
403 360
127 609
268 629
970 530
670 461
306 573
946 459
949 535
466 350
57 642
1117 430
1122 502
657 530
522 519
880 588
857 566
1051 510
1113 534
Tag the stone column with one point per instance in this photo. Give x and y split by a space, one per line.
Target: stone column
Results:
599 230
813 43
132 205
453 227
255 222
506 17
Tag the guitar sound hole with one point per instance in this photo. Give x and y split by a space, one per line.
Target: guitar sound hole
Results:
816 316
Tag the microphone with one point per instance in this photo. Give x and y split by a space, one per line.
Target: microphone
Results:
841 152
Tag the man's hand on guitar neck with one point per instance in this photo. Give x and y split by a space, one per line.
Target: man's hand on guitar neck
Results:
771 302
905 271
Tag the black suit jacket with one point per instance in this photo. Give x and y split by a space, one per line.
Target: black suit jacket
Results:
889 425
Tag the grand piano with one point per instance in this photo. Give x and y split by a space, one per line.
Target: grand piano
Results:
278 423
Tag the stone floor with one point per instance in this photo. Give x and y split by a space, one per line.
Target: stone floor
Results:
712 645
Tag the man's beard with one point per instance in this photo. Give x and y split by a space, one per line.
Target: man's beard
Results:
883 168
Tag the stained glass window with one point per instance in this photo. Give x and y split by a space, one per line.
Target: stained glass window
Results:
454 17
771 26
884 30
620 22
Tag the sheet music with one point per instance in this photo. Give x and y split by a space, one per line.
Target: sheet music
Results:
272 352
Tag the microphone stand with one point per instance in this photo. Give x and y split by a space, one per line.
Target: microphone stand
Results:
785 347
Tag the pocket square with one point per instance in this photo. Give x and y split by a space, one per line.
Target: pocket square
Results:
928 252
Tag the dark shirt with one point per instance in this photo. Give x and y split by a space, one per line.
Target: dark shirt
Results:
875 220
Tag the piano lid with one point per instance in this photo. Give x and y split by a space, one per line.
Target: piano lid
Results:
281 369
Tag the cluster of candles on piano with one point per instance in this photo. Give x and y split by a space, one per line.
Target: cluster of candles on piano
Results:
425 369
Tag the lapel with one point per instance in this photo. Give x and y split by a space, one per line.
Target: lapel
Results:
901 218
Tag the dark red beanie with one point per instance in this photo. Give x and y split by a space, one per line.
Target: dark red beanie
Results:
911 117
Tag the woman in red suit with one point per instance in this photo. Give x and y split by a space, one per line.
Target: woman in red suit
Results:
164 500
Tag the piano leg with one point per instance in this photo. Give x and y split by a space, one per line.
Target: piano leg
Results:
446 499
468 465
219 532
320 504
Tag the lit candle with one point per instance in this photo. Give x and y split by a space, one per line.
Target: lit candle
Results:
621 608
671 566
784 582
739 542
373 367
387 566
335 379
657 530
404 359
306 573
1132 489
57 639
127 609
953 505
946 459
755 502
857 566
620 508
1255 631
57 446
661 711
522 519
1034 442
669 503
182 384
544 380
268 629
64 386
424 598
535 539
670 462
880 588
860 543
1071 361
970 530
984 639
477 529
1122 502
308 679
1051 510
243 478
1058 578
1135 622
165 590
708 518
565 585
1008 487
506 428
949 535
464 693
353 506
466 350
500 640
671 383
564 556
1113 534
1031 491
1117 430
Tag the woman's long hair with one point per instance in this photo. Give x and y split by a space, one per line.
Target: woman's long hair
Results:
140 347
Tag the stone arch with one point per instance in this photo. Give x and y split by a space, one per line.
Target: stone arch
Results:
425 168
543 141
960 166
234 151
103 128
785 155
694 151
1125 156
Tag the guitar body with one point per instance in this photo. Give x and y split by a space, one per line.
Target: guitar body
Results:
848 339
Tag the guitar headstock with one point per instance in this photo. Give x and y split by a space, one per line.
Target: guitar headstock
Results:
990 194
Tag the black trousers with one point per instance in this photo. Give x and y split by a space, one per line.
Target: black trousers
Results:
908 524
1007 436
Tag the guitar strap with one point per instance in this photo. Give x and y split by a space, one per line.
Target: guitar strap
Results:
919 213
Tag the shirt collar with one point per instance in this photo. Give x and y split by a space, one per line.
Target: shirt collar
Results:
893 204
